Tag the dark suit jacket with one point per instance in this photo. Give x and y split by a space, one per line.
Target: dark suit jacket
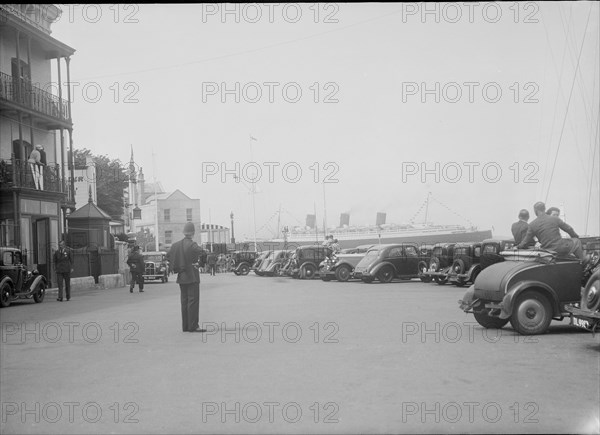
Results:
63 260
183 254
547 230
137 259
519 231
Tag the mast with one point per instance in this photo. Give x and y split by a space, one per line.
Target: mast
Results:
278 221
427 207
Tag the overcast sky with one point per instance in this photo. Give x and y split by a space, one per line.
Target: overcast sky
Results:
339 87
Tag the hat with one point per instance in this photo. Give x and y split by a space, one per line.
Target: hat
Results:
39 147
189 229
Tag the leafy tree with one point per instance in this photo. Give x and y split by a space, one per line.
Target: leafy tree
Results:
111 180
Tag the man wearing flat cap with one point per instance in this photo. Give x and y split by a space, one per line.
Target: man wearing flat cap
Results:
547 229
185 255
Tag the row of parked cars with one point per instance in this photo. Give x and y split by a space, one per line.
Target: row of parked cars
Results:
527 288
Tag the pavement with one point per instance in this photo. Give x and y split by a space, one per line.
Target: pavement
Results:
288 356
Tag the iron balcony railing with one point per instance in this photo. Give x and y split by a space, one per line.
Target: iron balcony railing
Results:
22 92
19 174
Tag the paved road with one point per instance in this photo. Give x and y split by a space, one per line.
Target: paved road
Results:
288 356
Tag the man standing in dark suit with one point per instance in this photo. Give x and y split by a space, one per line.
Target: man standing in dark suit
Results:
63 264
135 261
185 256
546 229
519 228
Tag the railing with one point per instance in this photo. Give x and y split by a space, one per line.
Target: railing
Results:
22 92
20 173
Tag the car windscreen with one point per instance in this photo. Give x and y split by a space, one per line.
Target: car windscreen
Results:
371 255
437 252
154 258
461 251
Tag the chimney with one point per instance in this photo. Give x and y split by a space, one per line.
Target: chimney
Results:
344 219
311 220
380 219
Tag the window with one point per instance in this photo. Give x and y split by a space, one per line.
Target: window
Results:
188 214
168 236
167 215
395 252
410 251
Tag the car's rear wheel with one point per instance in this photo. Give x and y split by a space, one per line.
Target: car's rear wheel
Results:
441 280
422 271
342 273
38 296
5 295
308 271
590 299
244 269
386 274
487 321
531 314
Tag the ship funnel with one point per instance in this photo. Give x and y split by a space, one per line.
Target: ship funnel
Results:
380 219
311 221
344 220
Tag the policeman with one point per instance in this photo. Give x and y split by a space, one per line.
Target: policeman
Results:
135 261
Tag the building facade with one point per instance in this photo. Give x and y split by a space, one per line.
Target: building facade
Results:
35 198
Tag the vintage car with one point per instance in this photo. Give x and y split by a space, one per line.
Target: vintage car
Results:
272 265
389 261
16 282
465 265
491 249
306 260
586 314
439 263
529 289
341 265
262 257
156 266
243 261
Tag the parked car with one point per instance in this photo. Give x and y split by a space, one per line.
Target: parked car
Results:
387 262
439 264
491 251
243 261
586 314
341 265
262 258
16 282
306 260
529 289
156 266
465 265
273 264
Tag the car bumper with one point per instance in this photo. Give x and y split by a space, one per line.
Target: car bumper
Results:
584 319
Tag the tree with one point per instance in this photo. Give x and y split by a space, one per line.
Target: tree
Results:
111 180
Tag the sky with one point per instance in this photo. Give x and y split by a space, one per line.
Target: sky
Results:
347 108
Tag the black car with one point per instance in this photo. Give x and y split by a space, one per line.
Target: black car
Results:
16 282
306 260
243 261
440 262
390 261
466 264
491 249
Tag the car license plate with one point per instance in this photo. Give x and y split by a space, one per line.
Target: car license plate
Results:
576 321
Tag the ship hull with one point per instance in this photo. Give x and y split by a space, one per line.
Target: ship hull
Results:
351 241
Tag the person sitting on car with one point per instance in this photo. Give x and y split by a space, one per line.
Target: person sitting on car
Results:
519 228
547 230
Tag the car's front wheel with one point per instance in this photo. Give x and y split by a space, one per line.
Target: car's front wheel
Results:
244 269
422 271
590 299
487 321
38 296
308 271
531 314
441 280
5 295
342 273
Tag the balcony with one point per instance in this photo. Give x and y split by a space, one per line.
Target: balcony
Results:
19 174
23 93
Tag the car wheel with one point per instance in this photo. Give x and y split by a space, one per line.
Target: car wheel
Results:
276 270
386 274
590 299
422 271
367 279
307 271
236 272
531 314
474 275
441 280
434 264
460 282
458 266
244 269
342 273
5 295
487 321
38 296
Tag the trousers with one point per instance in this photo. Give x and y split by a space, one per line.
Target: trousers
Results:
66 276
136 277
190 306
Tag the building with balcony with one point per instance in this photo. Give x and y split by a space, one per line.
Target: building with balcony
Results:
35 199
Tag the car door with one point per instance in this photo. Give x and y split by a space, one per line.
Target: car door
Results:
411 261
395 257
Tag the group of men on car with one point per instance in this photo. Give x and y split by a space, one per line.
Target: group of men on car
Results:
546 228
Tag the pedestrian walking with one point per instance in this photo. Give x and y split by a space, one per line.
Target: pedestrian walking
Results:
63 264
185 255
135 261
212 263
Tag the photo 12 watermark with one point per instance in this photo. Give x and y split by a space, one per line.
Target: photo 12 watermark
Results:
471 12
470 92
470 412
271 172
469 172
270 412
253 13
270 92
95 13
69 412
454 332
270 332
